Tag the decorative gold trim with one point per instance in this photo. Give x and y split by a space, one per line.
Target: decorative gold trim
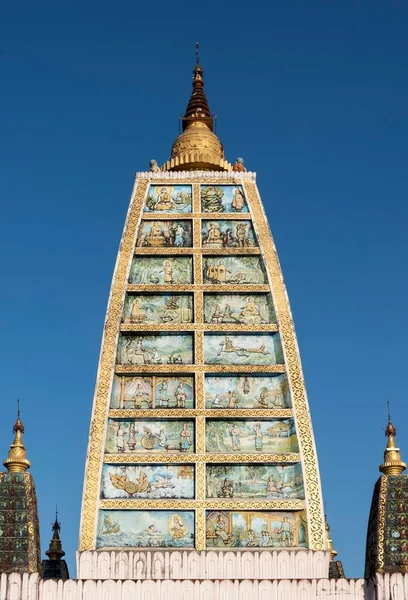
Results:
34 558
198 326
317 539
206 505
184 413
131 369
289 457
200 529
139 250
206 287
381 523
105 370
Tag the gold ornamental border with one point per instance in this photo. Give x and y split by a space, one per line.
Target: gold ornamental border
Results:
381 523
288 457
141 250
274 413
152 327
96 443
317 540
136 369
34 557
195 215
206 287
190 504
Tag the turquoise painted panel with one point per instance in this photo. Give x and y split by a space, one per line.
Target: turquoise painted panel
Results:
228 234
162 234
247 391
223 198
145 529
168 198
148 481
229 270
254 481
158 308
246 309
235 436
161 270
246 349
141 436
153 392
157 349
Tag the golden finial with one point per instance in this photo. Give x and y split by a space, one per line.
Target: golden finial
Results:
392 464
55 551
333 552
16 462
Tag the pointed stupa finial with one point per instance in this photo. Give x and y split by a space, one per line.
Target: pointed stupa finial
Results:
16 460
333 552
55 551
197 147
392 464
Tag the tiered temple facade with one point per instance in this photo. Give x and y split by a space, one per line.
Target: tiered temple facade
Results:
202 479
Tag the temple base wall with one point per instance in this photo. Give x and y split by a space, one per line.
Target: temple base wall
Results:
194 565
31 587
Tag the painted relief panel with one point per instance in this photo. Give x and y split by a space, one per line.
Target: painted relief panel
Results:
250 349
234 270
162 234
169 198
228 234
145 529
247 391
223 198
139 436
158 349
147 481
254 481
257 529
250 436
247 309
396 524
158 308
153 392
161 270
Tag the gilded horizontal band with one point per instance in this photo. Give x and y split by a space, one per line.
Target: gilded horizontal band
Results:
197 327
210 288
160 413
158 216
213 251
289 457
132 369
133 504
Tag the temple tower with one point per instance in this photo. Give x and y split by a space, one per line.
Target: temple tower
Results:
200 437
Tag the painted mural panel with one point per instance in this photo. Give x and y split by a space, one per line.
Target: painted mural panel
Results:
139 436
254 481
255 529
161 270
229 270
247 391
169 198
223 198
248 309
145 529
228 234
249 435
153 392
158 308
161 234
157 349
147 481
250 349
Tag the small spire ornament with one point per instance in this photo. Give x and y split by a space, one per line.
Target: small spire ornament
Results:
333 552
55 551
392 464
16 462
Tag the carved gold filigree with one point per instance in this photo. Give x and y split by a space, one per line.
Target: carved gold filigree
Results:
130 327
214 504
206 287
189 251
34 558
131 369
381 523
184 413
317 540
289 457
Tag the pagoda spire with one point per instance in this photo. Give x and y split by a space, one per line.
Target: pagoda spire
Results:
333 553
392 464
197 148
16 462
54 567
55 551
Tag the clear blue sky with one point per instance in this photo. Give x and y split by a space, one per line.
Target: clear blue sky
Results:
313 94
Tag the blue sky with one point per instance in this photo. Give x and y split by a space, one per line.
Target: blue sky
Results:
313 95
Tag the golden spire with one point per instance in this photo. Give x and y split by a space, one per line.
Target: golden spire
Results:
197 147
333 552
16 462
55 551
392 464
